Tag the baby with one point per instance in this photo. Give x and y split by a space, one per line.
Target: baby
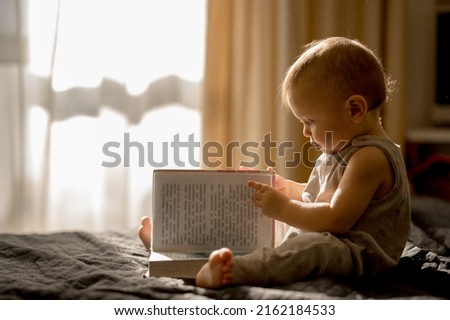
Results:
352 217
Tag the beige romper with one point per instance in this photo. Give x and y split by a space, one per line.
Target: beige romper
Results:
373 244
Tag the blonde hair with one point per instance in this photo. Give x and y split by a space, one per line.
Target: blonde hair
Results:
345 66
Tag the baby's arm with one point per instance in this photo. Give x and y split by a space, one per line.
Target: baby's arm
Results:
368 175
295 189
290 188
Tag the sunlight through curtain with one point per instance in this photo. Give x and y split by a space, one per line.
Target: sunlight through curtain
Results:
77 74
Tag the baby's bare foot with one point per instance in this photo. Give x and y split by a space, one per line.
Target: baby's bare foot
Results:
145 232
217 272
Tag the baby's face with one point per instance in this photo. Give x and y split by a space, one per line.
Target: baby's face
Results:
325 119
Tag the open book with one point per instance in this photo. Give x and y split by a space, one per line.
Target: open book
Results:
198 211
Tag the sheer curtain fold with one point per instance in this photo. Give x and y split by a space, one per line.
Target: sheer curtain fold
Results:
394 59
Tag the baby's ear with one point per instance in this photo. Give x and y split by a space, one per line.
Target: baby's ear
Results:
357 107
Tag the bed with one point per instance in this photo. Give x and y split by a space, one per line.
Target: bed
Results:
111 265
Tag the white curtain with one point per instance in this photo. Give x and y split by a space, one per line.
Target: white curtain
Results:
76 75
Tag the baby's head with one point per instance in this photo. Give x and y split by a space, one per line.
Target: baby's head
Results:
339 68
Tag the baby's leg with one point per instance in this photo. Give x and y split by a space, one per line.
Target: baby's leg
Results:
217 272
307 254
145 232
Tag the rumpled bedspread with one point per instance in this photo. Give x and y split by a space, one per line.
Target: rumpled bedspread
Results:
110 265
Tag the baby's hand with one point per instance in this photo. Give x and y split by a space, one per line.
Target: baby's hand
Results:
270 200
280 183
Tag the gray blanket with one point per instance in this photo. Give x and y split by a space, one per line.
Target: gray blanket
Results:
110 265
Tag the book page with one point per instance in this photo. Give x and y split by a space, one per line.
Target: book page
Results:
199 211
